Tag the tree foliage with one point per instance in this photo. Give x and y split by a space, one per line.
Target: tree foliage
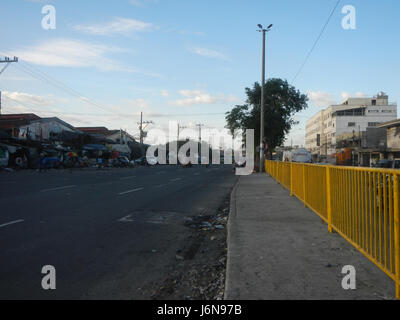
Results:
282 102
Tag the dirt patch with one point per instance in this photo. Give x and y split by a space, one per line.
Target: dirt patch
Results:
199 270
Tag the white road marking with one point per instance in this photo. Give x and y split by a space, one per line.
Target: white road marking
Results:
10 223
160 186
197 174
177 179
126 178
59 188
128 218
130 191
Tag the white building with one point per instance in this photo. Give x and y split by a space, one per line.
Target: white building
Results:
46 129
353 116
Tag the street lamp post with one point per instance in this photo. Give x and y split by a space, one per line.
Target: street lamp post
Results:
264 31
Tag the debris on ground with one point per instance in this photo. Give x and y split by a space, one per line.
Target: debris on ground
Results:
198 272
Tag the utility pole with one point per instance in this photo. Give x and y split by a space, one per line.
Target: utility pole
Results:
7 61
141 128
179 130
200 125
264 31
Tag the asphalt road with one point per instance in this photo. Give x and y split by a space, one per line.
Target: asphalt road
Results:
108 233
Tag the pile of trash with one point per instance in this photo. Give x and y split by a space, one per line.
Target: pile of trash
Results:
208 223
198 272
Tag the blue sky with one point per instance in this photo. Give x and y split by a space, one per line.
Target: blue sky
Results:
187 58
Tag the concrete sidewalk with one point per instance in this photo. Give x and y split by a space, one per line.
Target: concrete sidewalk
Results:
277 249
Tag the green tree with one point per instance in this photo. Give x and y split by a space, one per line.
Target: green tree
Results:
282 102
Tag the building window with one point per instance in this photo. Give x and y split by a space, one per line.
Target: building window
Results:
372 124
352 124
374 102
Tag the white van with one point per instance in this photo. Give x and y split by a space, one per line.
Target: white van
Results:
298 155
301 155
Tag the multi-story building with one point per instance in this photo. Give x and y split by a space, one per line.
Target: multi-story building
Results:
325 130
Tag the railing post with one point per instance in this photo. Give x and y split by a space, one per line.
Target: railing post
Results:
328 198
396 232
291 179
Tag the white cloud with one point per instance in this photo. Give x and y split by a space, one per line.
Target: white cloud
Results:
138 103
345 95
321 99
72 53
193 97
325 99
120 26
208 53
23 98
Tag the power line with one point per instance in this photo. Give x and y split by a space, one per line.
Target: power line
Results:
185 114
40 75
316 42
61 87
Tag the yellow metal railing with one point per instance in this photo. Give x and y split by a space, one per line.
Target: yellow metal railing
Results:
361 204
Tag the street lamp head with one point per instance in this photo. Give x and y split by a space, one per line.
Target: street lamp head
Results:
270 26
260 26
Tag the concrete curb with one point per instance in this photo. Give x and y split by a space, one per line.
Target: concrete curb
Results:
232 215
